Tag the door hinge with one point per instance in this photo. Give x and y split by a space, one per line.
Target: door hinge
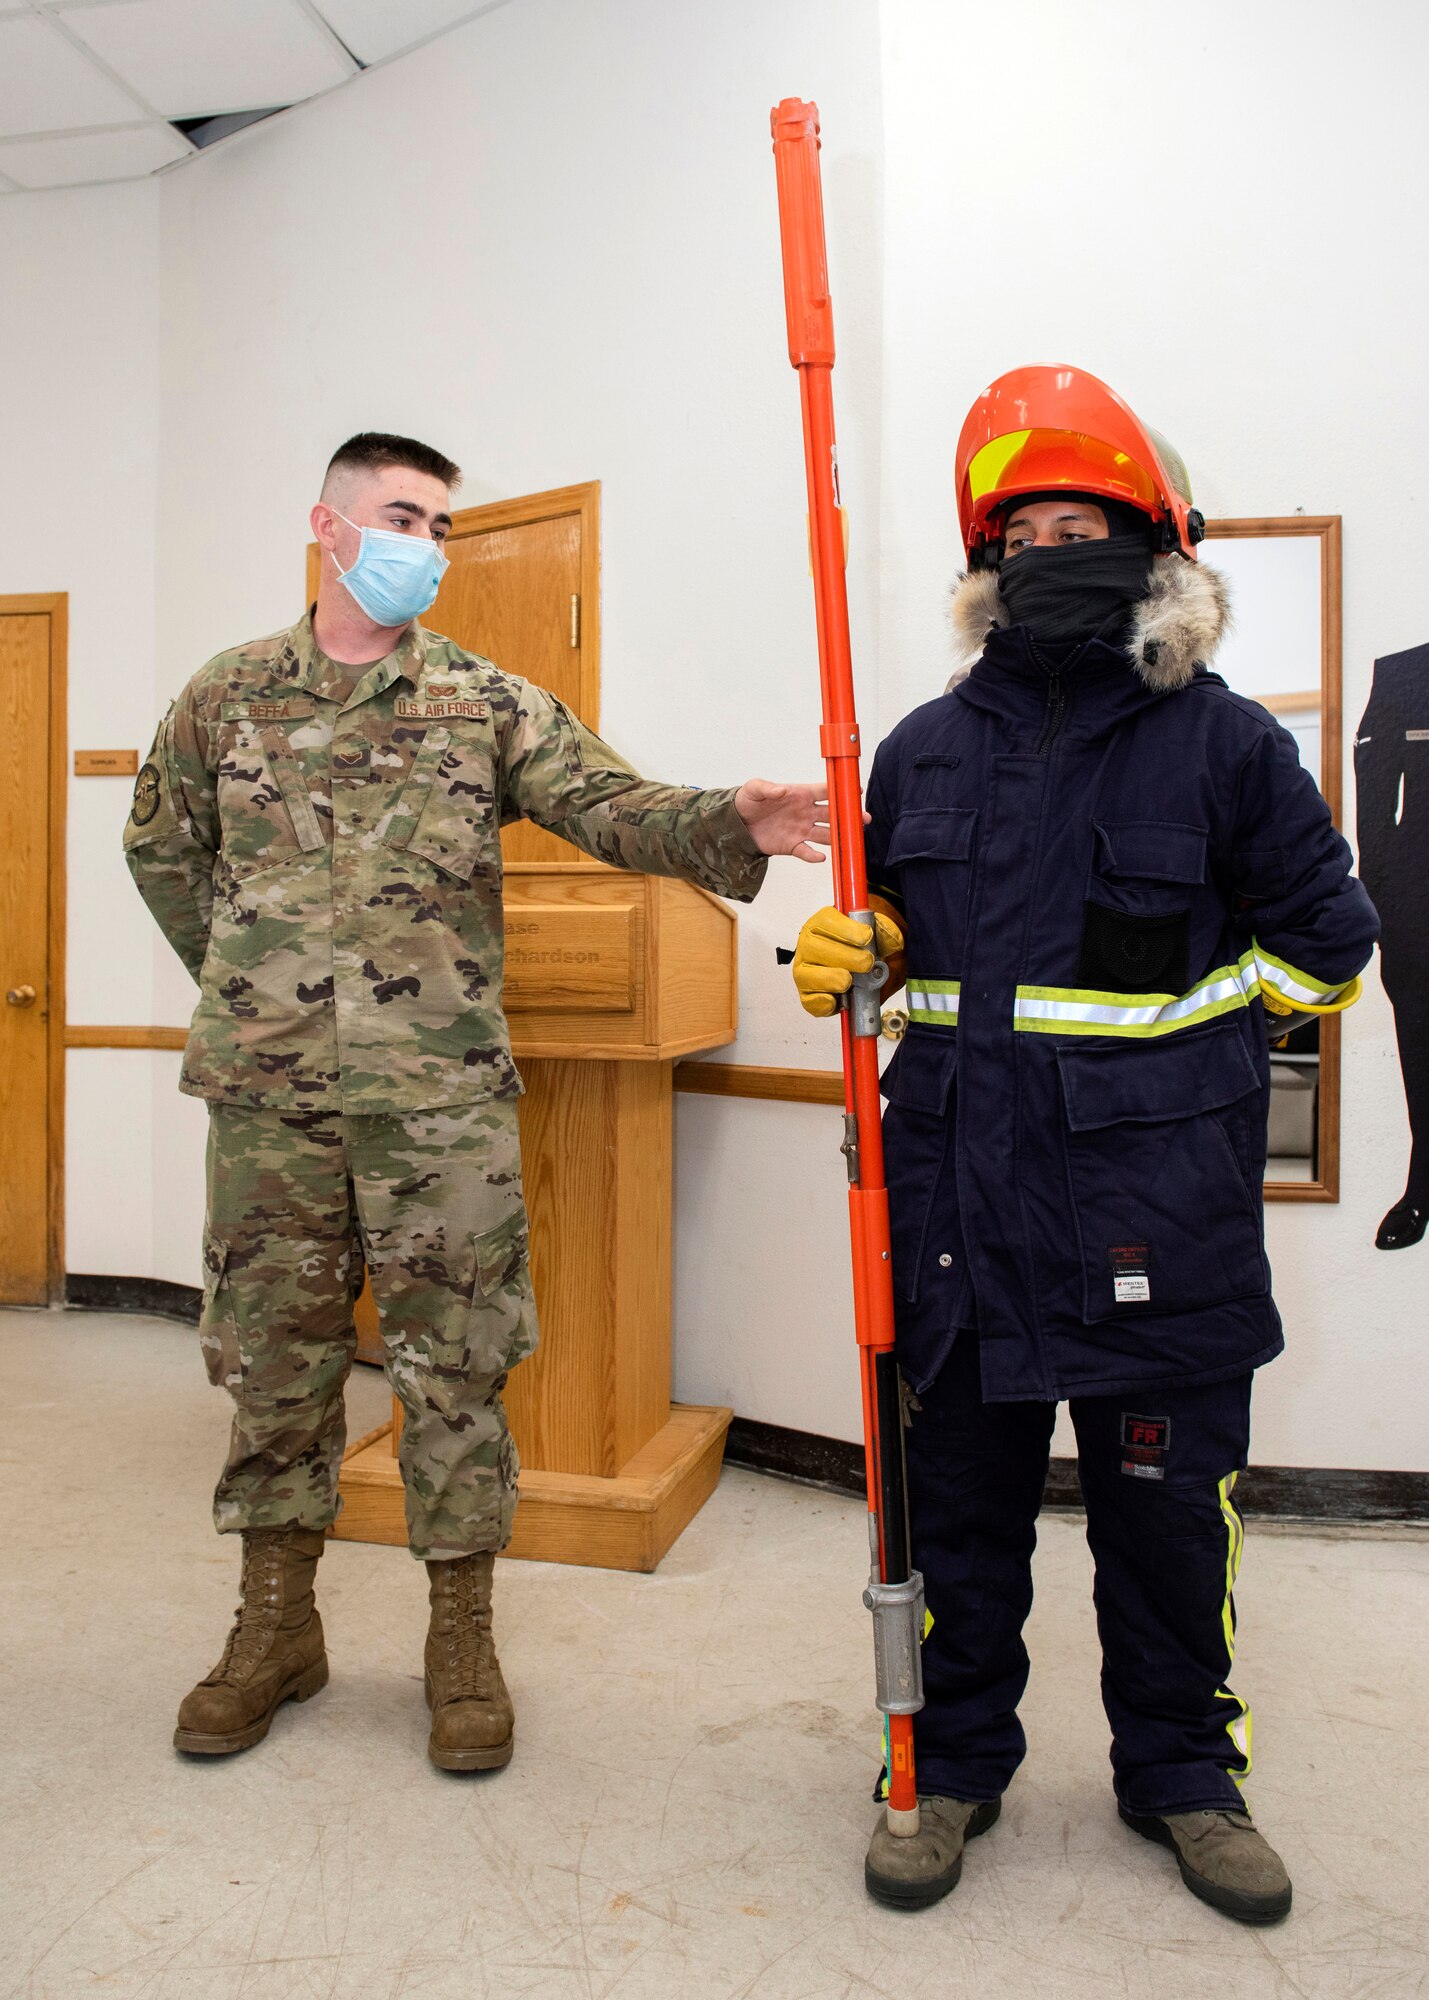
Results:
575 618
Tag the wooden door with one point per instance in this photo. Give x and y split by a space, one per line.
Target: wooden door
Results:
523 589
32 657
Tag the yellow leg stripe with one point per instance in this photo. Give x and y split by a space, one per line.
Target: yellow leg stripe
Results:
1238 1728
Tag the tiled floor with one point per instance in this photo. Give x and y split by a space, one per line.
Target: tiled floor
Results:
687 1811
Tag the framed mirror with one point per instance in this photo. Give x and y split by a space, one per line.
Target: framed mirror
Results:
1284 652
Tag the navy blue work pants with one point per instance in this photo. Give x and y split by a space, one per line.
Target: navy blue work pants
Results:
1157 1470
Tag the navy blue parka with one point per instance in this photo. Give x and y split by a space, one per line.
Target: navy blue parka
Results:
1098 870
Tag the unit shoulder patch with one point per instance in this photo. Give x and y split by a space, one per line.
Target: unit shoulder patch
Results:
146 795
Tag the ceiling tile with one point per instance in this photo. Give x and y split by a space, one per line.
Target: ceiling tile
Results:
90 156
373 29
194 58
48 85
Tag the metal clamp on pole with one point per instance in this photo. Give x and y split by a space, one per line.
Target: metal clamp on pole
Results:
898 1614
865 995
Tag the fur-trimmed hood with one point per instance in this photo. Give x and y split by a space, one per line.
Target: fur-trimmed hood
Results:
1178 624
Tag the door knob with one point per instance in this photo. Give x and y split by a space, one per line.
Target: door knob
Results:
20 996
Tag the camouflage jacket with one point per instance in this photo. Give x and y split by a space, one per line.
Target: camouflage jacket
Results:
320 845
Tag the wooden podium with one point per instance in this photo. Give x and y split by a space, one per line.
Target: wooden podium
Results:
609 978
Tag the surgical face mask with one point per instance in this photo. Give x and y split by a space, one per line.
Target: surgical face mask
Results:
395 577
1077 590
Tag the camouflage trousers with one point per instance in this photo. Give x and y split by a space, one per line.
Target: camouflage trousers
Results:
429 1203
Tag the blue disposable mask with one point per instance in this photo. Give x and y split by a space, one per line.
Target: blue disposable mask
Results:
396 577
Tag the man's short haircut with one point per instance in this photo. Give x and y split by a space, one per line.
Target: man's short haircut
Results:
370 451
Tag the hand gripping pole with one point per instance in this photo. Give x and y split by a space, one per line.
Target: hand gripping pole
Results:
895 1590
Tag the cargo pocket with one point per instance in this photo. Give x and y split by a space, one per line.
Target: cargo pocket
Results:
508 1475
931 847
501 1325
1157 1139
1136 920
919 1127
447 813
217 1327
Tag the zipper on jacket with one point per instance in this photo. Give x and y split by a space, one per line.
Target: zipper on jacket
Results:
1056 701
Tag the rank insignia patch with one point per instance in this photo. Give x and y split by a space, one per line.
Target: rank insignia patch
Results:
146 795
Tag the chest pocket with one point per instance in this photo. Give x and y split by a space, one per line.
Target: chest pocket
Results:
447 809
932 848
1136 926
265 811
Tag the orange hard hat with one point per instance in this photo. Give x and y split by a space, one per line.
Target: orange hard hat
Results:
1035 430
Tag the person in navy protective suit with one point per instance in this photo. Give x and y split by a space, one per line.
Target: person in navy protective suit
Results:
1098 872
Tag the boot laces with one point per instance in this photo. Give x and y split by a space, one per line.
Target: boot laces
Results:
259 1611
468 1650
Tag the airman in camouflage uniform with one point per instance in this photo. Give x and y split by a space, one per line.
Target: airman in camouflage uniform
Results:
320 844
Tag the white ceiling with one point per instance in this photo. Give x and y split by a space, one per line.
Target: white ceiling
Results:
88 87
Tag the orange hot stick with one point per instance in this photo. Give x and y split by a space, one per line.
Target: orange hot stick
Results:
895 1592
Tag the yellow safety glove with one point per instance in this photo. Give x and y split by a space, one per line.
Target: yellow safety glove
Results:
831 949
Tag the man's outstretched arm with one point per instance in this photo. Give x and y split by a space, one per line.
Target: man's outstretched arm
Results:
560 774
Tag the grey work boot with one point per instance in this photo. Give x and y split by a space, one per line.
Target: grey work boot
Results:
473 1722
1224 1860
275 1651
910 1871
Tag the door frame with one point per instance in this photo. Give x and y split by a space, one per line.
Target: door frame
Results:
582 499
54 604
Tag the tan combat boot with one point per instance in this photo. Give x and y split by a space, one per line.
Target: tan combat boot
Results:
274 1652
472 1717
1224 1859
908 1872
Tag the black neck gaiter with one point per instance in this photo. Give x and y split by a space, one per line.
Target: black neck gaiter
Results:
1076 591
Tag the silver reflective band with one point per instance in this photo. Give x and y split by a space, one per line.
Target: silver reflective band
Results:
933 1002
1071 1010
1065 1010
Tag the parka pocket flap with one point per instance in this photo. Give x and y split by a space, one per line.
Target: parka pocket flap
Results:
500 1253
921 1072
1151 850
932 833
1143 1083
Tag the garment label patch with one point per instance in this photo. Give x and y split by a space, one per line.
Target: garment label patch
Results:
1145 1442
1130 1274
1414 736
440 711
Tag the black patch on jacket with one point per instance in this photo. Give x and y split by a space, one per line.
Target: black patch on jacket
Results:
1145 1442
1126 954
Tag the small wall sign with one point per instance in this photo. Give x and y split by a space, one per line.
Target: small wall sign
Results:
106 763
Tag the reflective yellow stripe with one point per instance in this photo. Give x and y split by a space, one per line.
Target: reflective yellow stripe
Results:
933 1003
1078 1010
1070 1010
1293 984
1238 1728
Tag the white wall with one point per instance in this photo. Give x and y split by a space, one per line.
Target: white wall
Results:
548 243
79 418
